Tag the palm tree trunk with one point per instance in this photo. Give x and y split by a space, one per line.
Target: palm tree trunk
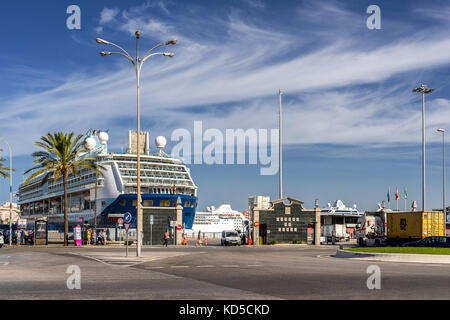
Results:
66 216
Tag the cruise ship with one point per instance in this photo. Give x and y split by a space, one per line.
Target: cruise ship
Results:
164 180
217 220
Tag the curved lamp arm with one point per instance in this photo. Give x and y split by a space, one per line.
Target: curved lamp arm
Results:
107 53
160 45
115 45
167 54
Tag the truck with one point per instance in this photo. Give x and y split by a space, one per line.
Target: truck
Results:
387 227
338 230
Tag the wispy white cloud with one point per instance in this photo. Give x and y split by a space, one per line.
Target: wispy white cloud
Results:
108 14
336 92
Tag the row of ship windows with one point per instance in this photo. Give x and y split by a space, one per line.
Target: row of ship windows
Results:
150 167
133 160
59 184
155 181
162 203
131 173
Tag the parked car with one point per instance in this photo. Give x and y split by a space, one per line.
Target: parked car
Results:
230 237
434 241
2 241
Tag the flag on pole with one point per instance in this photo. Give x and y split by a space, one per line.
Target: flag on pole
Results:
174 189
396 194
405 195
389 195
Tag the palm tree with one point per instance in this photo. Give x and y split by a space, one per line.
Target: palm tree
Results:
4 171
59 158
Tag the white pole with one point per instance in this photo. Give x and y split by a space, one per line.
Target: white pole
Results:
10 191
423 152
280 145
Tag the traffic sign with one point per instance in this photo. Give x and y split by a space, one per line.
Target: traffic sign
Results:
256 223
151 219
173 223
179 227
127 226
120 221
127 217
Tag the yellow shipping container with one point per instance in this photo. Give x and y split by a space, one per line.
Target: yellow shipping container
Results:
415 224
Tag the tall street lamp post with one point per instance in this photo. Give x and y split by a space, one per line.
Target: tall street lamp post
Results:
10 191
424 90
137 64
443 174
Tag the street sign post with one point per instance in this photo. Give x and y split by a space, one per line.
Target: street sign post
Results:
151 231
127 227
127 217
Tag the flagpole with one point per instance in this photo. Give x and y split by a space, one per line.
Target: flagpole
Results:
389 198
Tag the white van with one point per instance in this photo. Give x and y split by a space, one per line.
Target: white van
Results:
230 237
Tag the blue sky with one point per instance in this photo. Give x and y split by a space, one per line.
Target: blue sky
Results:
352 125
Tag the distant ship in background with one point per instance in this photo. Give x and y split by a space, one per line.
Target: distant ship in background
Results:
163 180
217 220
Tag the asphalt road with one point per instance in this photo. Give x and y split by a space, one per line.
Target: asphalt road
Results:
213 272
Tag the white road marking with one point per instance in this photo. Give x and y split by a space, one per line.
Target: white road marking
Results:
153 267
179 266
230 266
255 265
205 266
4 263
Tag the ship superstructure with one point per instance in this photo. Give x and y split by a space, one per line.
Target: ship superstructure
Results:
217 220
164 179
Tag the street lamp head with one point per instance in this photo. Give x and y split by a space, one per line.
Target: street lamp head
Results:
138 34
105 53
441 130
418 89
168 54
173 41
428 90
101 41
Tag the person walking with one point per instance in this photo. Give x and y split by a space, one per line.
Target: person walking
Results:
100 238
88 236
166 238
199 239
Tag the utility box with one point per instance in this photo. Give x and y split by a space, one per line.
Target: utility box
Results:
415 225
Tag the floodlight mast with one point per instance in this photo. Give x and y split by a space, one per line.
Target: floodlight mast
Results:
424 90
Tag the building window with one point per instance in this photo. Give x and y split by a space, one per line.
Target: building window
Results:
122 203
164 203
103 203
295 229
148 203
278 219
279 229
